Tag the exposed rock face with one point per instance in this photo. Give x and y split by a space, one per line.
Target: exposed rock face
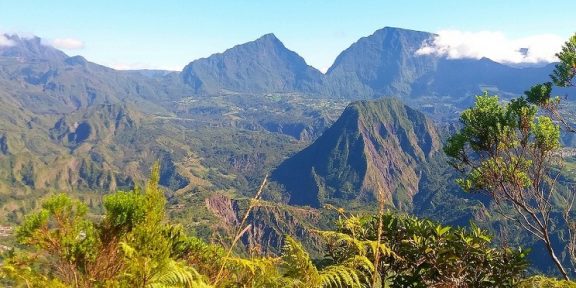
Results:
268 223
224 208
374 147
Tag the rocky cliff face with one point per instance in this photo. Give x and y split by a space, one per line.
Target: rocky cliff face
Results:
268 223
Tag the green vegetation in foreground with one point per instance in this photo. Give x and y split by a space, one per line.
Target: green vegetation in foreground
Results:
133 245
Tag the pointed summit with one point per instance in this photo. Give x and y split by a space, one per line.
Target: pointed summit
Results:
262 65
270 37
375 146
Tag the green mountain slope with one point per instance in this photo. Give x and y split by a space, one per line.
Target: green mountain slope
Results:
375 146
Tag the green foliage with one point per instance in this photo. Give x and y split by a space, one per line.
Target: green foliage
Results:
422 253
354 271
565 71
298 264
124 209
500 143
134 246
546 134
562 76
66 242
539 94
545 282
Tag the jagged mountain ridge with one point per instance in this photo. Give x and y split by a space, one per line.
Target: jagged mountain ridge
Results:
374 147
382 64
385 63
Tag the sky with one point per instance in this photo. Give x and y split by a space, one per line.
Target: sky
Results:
168 34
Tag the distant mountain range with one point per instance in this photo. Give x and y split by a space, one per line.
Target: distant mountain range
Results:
258 86
382 64
52 100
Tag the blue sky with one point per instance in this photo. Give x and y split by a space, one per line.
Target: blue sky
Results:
169 34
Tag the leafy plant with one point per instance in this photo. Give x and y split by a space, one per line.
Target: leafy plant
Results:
421 253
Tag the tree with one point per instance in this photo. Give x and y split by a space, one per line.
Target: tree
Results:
562 77
511 154
131 246
507 153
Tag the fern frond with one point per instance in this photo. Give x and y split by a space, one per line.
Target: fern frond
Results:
256 265
176 274
356 246
340 276
297 263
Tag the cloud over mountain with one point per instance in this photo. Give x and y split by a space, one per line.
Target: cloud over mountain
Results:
5 41
455 44
65 43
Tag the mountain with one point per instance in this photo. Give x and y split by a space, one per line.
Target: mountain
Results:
382 64
26 49
386 63
70 125
44 80
49 103
375 146
263 65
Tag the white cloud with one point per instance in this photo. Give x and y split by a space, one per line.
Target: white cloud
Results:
4 41
454 44
65 43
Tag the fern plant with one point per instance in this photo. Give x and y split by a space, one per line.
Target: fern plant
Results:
352 272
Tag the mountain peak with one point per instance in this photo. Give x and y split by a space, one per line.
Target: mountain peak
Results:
389 29
264 42
384 63
268 37
29 48
375 146
262 65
